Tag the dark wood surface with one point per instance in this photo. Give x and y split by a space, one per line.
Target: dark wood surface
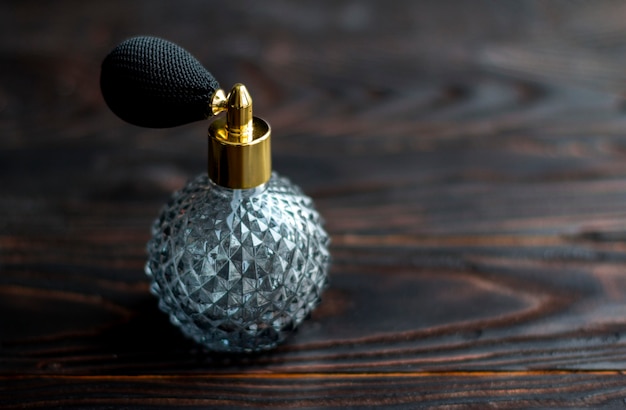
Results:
469 159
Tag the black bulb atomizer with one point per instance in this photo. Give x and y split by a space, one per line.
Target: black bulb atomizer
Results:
238 257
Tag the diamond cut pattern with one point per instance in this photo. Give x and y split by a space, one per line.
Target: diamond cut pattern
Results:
237 270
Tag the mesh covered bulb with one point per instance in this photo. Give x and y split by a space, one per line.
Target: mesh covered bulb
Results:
238 257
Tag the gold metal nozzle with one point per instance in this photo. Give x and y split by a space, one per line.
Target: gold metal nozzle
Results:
239 114
239 145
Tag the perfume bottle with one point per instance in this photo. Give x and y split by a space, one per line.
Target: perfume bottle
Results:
238 257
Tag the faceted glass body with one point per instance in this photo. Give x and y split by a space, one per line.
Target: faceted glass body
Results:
237 270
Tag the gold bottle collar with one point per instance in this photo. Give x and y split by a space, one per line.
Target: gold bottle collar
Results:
239 145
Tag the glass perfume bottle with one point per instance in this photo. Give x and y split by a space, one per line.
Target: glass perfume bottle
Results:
238 257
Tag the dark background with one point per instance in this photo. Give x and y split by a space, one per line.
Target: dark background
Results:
468 157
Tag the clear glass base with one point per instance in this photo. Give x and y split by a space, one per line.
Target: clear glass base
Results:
237 270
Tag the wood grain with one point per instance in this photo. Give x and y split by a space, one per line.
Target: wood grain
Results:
336 390
469 161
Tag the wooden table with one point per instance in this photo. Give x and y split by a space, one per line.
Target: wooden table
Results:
469 159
